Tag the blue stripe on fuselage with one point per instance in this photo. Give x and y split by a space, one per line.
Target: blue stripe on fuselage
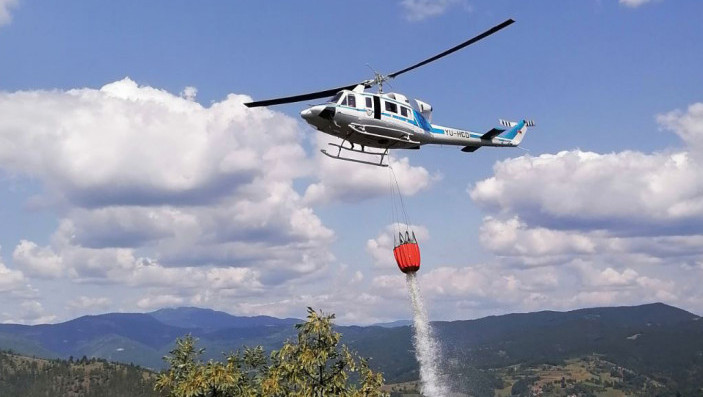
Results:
436 130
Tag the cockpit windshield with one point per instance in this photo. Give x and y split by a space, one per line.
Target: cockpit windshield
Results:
336 98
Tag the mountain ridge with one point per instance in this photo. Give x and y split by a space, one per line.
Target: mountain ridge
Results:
667 337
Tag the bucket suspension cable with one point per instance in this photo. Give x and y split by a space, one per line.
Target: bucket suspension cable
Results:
405 248
399 206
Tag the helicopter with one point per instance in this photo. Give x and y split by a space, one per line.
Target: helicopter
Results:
388 121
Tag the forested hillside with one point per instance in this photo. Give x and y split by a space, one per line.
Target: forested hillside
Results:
657 342
26 376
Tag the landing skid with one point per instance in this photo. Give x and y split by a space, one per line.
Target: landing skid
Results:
341 147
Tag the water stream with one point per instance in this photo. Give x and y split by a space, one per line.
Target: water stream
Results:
426 347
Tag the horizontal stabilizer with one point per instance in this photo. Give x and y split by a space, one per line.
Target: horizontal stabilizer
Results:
492 133
469 149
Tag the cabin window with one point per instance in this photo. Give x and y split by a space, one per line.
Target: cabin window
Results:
351 100
391 107
404 111
335 98
369 103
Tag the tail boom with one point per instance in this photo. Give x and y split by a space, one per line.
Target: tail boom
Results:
509 134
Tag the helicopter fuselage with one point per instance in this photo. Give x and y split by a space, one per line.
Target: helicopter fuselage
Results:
388 121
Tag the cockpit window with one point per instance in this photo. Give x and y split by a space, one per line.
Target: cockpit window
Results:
335 99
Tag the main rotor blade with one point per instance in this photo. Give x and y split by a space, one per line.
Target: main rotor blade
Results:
368 83
456 48
301 97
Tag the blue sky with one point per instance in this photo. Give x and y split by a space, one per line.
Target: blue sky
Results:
132 178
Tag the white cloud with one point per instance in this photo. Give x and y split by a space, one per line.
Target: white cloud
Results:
121 266
11 280
610 287
597 299
134 168
687 125
37 261
187 203
127 144
458 282
633 189
473 290
5 6
89 304
31 312
540 246
624 192
167 227
513 238
635 3
189 93
615 228
417 10
609 277
351 182
160 301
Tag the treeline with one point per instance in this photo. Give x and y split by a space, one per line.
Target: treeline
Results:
25 376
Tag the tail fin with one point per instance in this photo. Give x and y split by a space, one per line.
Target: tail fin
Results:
515 131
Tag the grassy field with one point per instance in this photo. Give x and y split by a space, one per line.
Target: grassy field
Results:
591 375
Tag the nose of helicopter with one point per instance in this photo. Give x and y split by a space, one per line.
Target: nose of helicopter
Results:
311 112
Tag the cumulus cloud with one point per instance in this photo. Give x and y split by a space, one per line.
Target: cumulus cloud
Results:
189 93
539 246
31 312
155 192
469 291
10 280
133 168
121 266
126 144
687 125
5 6
634 189
417 10
343 181
37 261
15 290
614 228
513 237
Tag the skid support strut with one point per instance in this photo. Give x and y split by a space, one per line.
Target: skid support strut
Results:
340 147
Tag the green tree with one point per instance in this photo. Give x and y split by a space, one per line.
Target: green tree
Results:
187 376
318 366
315 365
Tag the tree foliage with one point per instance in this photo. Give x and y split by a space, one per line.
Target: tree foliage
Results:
314 365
